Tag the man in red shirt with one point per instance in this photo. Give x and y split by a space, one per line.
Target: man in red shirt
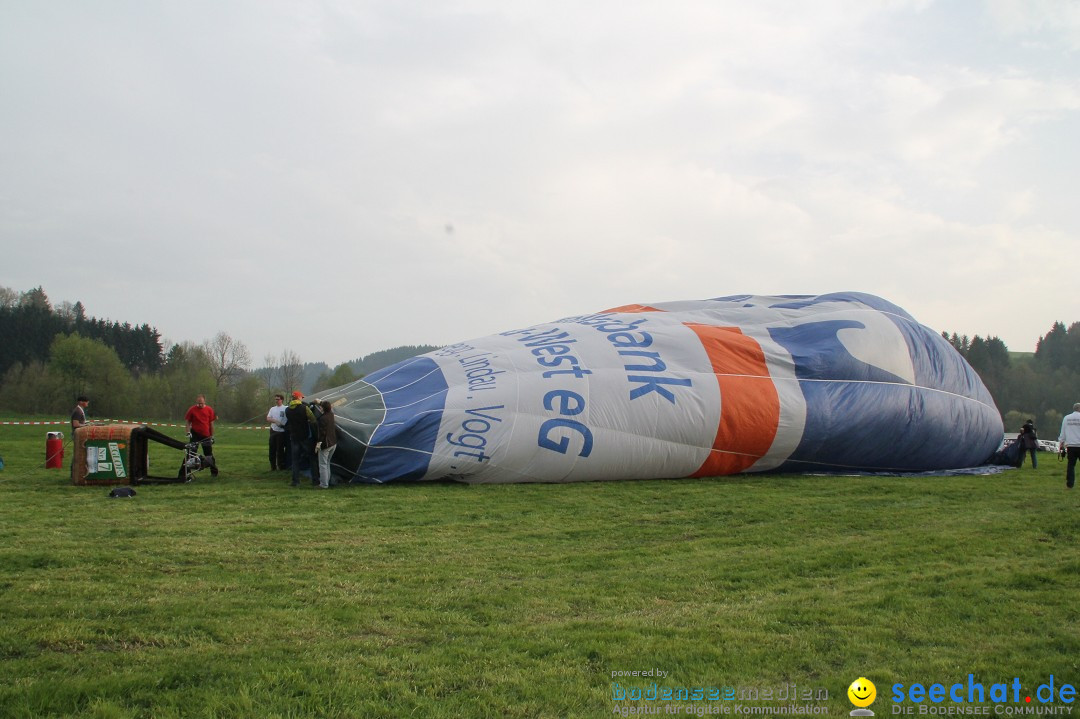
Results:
200 420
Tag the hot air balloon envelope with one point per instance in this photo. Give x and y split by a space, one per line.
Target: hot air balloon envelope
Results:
832 383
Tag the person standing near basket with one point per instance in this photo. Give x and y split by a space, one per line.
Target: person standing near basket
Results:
78 415
200 420
78 419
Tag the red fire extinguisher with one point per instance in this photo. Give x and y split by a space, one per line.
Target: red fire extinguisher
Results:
54 450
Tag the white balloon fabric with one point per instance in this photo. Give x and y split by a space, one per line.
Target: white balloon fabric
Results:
844 382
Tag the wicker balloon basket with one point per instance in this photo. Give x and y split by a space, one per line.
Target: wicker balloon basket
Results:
120 454
108 454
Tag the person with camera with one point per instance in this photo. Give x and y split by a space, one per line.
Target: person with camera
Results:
1069 443
200 420
300 423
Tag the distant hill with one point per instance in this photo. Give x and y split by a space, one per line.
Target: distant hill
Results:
365 365
312 370
385 358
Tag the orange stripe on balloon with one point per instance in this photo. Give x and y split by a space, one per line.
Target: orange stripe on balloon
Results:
749 403
630 308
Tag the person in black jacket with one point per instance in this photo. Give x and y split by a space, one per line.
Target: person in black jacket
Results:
1029 442
327 443
300 422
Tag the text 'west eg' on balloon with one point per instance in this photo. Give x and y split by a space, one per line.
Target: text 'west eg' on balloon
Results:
843 382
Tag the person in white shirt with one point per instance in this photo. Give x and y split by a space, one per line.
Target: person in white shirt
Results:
1069 440
279 438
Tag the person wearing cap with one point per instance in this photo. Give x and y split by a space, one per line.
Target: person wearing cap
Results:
300 423
279 438
78 419
1069 440
200 420
78 415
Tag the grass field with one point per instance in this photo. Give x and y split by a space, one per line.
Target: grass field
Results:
242 597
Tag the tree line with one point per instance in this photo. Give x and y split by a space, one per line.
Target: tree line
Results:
50 355
28 324
1042 386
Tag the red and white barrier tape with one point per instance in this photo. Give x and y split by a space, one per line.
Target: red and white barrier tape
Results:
58 422
126 421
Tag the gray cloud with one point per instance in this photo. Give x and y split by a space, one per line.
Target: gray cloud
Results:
286 172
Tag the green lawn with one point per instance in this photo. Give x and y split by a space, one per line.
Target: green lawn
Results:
242 597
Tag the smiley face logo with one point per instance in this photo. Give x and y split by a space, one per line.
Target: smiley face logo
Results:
862 692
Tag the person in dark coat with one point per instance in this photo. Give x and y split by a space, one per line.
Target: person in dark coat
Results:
1029 442
327 443
300 423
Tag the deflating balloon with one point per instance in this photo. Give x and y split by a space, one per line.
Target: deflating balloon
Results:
837 382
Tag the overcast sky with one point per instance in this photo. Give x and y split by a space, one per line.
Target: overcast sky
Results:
339 177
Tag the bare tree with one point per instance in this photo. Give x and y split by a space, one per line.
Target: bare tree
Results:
8 297
291 371
269 371
229 359
66 310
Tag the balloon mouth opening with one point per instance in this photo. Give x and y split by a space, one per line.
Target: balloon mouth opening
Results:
358 409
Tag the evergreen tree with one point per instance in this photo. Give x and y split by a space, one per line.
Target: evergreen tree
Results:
31 323
1071 349
1051 349
35 298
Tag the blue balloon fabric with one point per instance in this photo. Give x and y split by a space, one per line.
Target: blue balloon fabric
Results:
843 382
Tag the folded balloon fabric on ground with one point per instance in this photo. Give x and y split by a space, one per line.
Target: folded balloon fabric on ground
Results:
832 383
